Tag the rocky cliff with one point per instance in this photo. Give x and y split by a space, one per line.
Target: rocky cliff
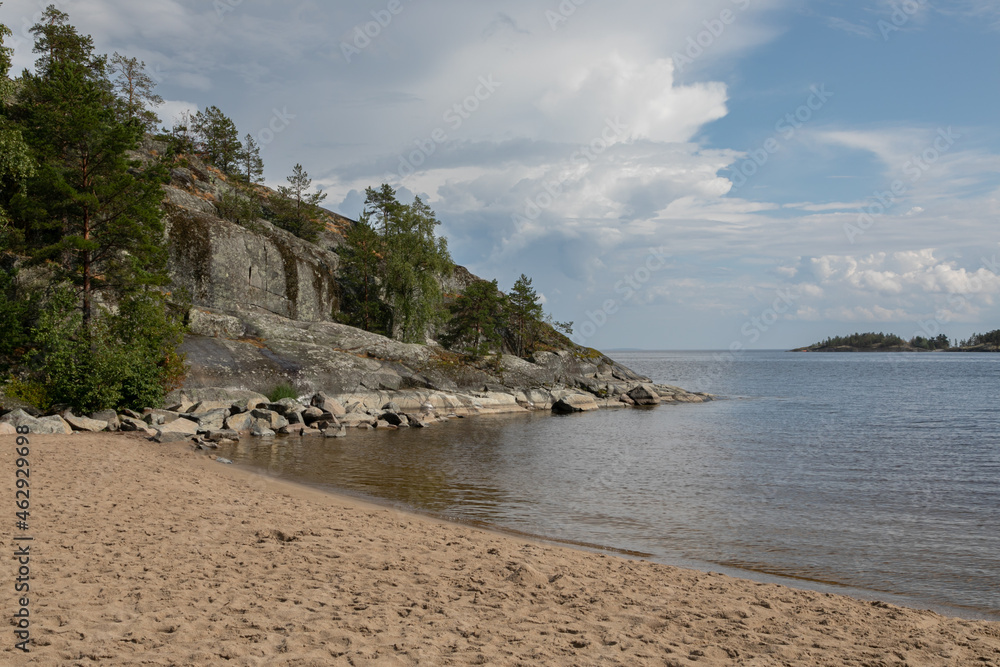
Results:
263 304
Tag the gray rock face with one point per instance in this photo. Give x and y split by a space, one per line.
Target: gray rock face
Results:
224 265
575 403
645 394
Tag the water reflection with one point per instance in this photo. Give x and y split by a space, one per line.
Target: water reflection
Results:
809 477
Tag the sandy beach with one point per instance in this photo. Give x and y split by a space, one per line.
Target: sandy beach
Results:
147 554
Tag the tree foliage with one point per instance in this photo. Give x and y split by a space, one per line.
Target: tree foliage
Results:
991 338
135 89
217 139
295 212
92 328
525 317
398 262
478 318
16 164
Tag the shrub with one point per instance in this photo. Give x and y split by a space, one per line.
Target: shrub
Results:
123 360
283 390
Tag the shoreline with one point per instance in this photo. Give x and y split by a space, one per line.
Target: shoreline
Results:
157 553
705 567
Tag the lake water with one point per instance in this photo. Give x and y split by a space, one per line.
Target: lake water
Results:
869 474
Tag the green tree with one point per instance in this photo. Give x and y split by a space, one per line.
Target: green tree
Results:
382 209
525 316
359 281
99 332
124 360
135 89
477 320
295 211
89 210
415 261
251 165
241 203
217 138
16 164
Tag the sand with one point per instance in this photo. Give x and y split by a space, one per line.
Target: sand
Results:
147 554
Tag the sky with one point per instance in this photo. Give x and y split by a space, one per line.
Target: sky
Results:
693 174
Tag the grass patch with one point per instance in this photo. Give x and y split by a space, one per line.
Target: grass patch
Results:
284 390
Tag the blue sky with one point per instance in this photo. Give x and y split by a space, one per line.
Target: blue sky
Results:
805 169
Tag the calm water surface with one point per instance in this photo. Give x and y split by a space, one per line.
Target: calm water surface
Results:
871 473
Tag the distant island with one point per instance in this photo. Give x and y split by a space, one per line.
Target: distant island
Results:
881 342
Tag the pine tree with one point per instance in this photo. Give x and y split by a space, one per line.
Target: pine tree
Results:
295 212
477 320
101 334
251 165
382 208
92 211
525 316
135 88
360 278
217 138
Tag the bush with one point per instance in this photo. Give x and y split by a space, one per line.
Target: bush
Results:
29 391
124 360
283 390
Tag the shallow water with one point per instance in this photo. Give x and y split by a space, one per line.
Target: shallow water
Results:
876 472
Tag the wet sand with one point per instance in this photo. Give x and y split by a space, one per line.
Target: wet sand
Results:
147 554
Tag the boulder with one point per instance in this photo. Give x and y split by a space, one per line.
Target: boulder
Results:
357 419
392 418
260 430
295 418
84 423
212 421
171 436
645 394
240 422
41 425
9 404
159 417
382 424
52 425
182 425
222 434
575 403
130 424
292 429
108 416
286 406
312 414
273 419
327 404
336 432
208 406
